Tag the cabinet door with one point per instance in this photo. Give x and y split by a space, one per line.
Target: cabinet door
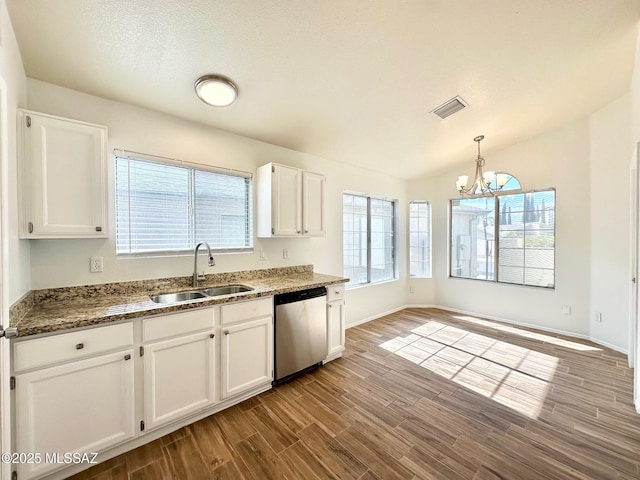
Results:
313 222
286 198
179 377
247 356
64 177
84 406
335 328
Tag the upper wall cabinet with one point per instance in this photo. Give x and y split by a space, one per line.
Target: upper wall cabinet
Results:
290 202
63 177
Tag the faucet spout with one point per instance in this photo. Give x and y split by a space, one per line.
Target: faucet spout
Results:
212 262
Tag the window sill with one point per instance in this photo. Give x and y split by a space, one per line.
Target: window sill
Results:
370 284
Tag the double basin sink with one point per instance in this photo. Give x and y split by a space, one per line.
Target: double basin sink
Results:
197 294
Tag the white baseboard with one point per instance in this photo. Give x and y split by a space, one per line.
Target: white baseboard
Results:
637 402
374 317
498 319
537 327
609 345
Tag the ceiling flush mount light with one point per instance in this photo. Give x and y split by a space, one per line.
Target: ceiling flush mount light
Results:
216 90
483 182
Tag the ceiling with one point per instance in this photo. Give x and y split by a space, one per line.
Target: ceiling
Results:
352 81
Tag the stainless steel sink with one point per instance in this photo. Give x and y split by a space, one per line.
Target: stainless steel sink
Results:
226 290
176 297
195 295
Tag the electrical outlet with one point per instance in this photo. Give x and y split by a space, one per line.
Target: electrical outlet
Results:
285 253
263 256
95 264
566 309
412 290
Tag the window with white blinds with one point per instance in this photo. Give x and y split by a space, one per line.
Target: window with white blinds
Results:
165 208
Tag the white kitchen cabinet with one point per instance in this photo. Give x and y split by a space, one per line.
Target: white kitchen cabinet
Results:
313 223
247 348
290 202
179 370
82 406
335 321
62 176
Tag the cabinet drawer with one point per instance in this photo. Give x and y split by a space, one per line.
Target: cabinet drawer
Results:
236 312
156 328
70 346
335 292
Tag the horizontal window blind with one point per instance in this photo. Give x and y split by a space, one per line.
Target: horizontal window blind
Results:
164 208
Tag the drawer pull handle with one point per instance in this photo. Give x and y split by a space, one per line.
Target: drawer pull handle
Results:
212 335
337 292
79 346
127 357
226 332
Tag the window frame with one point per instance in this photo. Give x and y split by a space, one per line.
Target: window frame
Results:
192 169
496 231
394 248
430 236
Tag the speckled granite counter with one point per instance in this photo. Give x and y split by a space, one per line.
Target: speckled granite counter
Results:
52 310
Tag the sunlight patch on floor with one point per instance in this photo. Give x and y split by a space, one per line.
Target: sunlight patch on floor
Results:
513 376
532 335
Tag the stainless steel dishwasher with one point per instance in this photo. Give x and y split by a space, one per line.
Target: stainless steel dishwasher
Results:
300 331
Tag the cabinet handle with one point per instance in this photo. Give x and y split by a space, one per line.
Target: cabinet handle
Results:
127 357
226 332
98 229
212 335
330 306
337 292
30 227
79 346
298 231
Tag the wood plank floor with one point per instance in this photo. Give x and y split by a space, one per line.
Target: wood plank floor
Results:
420 394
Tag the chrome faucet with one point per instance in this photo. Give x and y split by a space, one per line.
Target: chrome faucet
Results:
212 262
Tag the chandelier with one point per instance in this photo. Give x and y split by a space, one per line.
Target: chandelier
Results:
483 184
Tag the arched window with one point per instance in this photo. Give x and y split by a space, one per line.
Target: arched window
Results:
512 183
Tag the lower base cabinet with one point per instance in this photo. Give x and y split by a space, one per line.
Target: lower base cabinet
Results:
97 389
83 406
179 377
335 329
247 355
335 321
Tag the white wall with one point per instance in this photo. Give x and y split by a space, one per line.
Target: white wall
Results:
587 161
635 138
560 159
611 150
13 91
57 263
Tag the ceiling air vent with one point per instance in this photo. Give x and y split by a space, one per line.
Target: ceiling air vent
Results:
450 107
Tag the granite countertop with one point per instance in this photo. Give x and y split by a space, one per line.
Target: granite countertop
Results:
53 310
